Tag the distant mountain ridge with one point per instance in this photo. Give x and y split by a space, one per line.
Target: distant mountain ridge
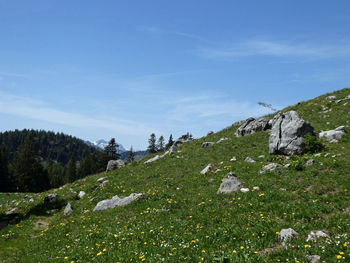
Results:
101 144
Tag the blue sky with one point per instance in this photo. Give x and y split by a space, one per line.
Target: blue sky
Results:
125 69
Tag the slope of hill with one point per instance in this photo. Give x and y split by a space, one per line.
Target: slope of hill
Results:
182 218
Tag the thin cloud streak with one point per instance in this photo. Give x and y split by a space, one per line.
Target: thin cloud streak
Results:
276 49
24 107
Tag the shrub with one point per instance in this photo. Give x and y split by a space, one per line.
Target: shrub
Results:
313 144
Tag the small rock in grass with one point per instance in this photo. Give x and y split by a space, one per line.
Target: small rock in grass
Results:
333 135
286 234
244 190
51 198
249 160
233 159
68 210
222 139
287 165
81 194
207 169
331 97
256 188
31 200
317 155
229 184
117 201
261 156
315 235
211 180
206 144
221 162
101 179
155 158
270 167
310 162
314 258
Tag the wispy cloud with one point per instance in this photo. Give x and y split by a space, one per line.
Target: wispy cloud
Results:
276 49
38 110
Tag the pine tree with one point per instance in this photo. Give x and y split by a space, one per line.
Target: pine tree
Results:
152 148
71 170
131 156
111 150
160 144
29 174
4 172
170 142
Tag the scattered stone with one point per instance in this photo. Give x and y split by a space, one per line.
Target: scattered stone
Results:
314 258
317 154
233 159
116 201
287 165
206 144
251 126
346 98
68 210
310 162
211 180
283 189
335 134
315 235
256 188
11 211
184 138
249 160
270 167
287 134
331 98
28 196
173 149
229 184
114 164
155 158
31 200
101 179
217 170
103 184
81 194
221 162
51 198
210 133
261 156
286 234
244 190
222 139
208 168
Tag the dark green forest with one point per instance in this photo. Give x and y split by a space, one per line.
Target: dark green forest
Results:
33 161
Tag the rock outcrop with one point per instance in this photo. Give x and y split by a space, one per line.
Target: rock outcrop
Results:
208 168
51 198
251 126
286 235
229 184
81 194
117 201
114 164
68 209
206 144
333 135
184 138
155 158
270 167
287 134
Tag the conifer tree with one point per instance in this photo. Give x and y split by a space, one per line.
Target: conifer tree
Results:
29 174
160 145
4 172
71 170
152 148
170 142
111 150
131 156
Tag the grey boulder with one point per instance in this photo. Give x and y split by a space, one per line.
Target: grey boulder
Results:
81 194
287 234
314 235
287 134
333 135
117 201
313 258
68 209
114 164
51 198
206 144
208 168
249 160
173 149
270 167
251 126
229 184
184 138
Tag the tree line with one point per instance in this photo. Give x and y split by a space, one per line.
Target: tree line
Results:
27 169
159 145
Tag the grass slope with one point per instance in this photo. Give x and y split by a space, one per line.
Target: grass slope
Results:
182 218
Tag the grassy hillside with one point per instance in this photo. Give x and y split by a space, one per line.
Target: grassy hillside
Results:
182 219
